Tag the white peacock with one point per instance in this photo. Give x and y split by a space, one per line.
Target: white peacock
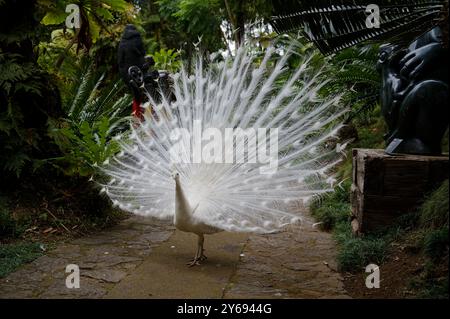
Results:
158 173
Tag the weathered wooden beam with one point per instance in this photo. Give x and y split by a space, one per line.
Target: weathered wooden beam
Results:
386 186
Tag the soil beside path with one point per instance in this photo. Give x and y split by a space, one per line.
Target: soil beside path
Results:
146 258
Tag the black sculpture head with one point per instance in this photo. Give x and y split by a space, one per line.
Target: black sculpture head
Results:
131 51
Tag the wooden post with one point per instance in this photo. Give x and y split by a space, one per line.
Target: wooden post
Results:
386 186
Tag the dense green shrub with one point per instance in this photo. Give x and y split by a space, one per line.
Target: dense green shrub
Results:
95 112
168 60
8 225
84 145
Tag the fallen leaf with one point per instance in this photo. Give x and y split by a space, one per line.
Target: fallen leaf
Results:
47 230
31 229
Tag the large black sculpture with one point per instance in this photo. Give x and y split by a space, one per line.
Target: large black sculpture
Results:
414 94
136 70
414 67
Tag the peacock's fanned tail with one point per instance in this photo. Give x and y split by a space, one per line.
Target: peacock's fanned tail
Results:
236 195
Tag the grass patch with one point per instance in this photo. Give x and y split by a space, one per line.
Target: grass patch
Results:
14 255
434 211
334 208
371 136
333 212
435 243
357 252
433 282
435 289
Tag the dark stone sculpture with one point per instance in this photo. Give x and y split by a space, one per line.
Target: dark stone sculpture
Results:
414 94
135 68
130 53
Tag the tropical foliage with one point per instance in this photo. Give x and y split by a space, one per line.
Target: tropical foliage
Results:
354 72
88 105
168 60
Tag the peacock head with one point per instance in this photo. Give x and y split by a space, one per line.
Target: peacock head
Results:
176 176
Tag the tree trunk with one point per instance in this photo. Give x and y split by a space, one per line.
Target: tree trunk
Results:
240 24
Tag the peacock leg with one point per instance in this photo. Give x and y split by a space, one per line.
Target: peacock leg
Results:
201 240
199 253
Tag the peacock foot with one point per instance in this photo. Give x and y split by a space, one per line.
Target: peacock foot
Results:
194 262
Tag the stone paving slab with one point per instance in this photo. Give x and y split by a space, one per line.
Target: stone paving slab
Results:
298 263
166 275
145 258
104 260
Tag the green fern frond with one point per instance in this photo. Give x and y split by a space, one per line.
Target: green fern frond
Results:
16 76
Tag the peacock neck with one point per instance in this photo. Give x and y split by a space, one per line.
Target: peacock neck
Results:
182 208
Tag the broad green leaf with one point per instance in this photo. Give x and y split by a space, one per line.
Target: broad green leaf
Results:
54 17
104 13
94 30
116 5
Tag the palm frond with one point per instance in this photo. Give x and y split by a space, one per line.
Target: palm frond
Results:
91 98
353 71
334 27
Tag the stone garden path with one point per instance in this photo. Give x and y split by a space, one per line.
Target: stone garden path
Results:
145 258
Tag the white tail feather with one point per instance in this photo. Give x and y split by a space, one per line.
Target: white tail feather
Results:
231 196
